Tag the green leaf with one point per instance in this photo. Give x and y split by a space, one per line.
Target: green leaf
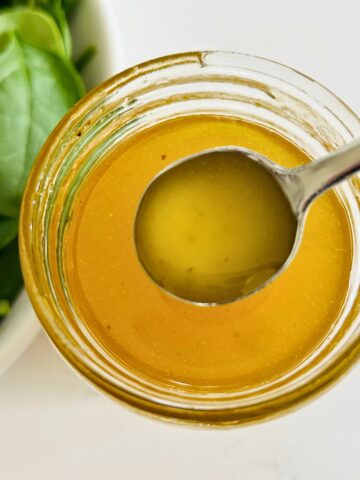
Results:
85 57
4 308
70 6
36 89
10 272
35 27
60 10
55 8
8 230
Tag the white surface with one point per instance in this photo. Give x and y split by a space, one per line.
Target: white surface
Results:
53 426
318 37
95 23
17 331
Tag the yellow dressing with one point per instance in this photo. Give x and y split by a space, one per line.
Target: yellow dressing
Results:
214 228
170 341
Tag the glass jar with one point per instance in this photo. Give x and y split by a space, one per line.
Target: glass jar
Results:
219 83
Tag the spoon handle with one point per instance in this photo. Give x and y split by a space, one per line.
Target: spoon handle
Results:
316 177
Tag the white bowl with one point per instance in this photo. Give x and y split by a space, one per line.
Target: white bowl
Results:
94 24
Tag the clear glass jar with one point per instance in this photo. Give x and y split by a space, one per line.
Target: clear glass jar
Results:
229 84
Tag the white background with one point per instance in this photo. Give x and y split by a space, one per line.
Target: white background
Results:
53 426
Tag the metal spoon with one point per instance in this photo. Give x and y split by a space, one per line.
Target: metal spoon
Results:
299 185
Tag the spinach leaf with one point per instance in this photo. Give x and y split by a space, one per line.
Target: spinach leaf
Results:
10 274
55 8
4 308
36 89
60 11
8 230
85 57
38 84
34 27
70 6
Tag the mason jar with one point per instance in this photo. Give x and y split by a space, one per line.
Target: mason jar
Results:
214 83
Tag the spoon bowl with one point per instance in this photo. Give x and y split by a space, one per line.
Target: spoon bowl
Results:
279 195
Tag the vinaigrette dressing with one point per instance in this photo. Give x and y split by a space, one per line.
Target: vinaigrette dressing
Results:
165 339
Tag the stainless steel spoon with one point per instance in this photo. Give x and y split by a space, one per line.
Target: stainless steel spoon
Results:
300 185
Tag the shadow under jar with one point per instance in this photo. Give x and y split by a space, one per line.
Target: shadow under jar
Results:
228 87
